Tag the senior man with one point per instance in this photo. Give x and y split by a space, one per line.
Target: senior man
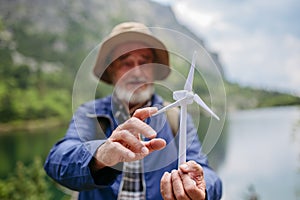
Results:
137 157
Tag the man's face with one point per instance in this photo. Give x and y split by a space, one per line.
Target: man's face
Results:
132 72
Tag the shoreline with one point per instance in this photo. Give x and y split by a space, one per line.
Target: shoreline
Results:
31 125
40 124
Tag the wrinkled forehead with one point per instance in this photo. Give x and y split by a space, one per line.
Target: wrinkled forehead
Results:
127 47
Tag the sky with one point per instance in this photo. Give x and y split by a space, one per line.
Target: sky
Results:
258 42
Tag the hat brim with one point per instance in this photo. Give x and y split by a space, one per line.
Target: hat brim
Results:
161 71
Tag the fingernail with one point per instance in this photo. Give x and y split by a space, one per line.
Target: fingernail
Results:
152 134
166 174
131 155
145 150
153 109
184 166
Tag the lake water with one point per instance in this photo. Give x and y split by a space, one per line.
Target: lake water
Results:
25 146
259 152
262 154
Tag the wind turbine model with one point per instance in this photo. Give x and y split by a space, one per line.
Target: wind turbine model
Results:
183 98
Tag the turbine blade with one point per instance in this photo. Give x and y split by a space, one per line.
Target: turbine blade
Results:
174 104
203 105
189 81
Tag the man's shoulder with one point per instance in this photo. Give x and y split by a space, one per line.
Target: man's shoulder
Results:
105 100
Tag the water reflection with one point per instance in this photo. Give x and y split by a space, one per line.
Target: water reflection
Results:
24 146
260 153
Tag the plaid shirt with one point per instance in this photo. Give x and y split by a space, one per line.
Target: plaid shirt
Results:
133 184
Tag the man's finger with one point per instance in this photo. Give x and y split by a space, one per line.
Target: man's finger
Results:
155 144
136 127
192 177
119 153
144 113
129 141
194 170
190 166
166 187
177 186
190 187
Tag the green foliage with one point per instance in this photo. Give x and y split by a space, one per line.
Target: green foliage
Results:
26 183
54 103
32 43
31 183
32 103
26 91
239 97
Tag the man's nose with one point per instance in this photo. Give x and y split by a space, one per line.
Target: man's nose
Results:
138 70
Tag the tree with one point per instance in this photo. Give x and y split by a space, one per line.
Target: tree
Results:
26 183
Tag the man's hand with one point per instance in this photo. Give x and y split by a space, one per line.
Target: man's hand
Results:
125 145
185 183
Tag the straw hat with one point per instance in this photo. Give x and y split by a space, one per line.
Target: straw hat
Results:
131 32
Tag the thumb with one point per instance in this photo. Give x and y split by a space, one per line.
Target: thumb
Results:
144 113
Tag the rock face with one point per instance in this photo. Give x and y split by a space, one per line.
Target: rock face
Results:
94 19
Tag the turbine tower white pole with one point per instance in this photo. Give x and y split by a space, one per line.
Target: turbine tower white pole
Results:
182 135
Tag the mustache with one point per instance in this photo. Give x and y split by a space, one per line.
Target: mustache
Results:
136 80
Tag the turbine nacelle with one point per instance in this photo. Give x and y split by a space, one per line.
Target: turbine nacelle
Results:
188 96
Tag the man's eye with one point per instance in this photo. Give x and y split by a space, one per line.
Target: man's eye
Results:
126 64
144 62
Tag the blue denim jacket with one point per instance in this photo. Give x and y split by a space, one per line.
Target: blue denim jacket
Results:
68 160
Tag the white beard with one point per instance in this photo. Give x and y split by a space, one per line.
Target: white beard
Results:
132 97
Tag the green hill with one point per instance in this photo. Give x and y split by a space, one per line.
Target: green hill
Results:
43 42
